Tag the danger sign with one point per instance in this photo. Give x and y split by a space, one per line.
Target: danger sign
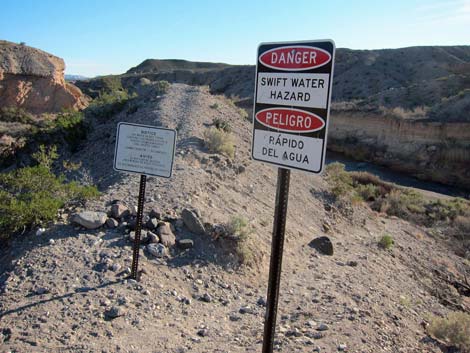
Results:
291 106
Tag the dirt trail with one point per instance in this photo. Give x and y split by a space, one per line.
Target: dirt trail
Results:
196 300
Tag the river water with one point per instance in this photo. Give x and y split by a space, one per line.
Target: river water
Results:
395 177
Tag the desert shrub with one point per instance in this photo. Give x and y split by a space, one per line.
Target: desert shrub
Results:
368 192
238 226
16 115
111 83
365 178
396 201
70 125
214 106
405 301
109 103
132 108
386 242
340 181
33 195
221 124
45 156
244 114
403 204
239 233
463 224
453 330
219 141
161 87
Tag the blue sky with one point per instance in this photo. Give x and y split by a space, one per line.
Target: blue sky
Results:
97 37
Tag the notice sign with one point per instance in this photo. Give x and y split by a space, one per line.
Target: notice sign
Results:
291 105
144 149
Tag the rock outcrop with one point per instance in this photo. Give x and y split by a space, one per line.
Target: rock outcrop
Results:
34 80
430 150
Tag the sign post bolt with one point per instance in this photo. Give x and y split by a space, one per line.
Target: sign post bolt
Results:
138 228
279 227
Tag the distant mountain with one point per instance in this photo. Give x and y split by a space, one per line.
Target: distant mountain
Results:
75 78
165 65
431 77
431 82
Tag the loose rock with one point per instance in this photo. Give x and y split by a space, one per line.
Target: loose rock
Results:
114 312
323 245
206 298
203 332
192 222
153 238
119 211
152 223
155 213
167 237
89 219
112 223
185 243
157 250
246 310
261 301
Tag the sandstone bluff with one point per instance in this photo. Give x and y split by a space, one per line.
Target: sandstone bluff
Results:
34 80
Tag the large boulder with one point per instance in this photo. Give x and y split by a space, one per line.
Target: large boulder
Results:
192 221
89 219
34 80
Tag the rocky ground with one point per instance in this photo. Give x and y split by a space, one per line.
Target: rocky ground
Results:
65 289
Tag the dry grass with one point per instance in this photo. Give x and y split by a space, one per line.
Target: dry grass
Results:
219 141
463 223
236 236
454 330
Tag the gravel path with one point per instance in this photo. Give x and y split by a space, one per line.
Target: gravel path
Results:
65 291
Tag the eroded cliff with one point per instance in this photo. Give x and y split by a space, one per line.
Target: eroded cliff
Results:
34 80
429 150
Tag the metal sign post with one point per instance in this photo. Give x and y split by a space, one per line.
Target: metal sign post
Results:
290 128
146 150
138 228
279 228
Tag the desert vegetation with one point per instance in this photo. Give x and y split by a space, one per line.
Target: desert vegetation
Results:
397 201
32 196
453 330
219 141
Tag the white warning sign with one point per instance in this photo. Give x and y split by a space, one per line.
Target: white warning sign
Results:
144 149
293 89
295 151
291 105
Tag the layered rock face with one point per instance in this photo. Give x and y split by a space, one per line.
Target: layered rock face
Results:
429 150
34 80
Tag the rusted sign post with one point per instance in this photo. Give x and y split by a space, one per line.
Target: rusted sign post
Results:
290 123
145 150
